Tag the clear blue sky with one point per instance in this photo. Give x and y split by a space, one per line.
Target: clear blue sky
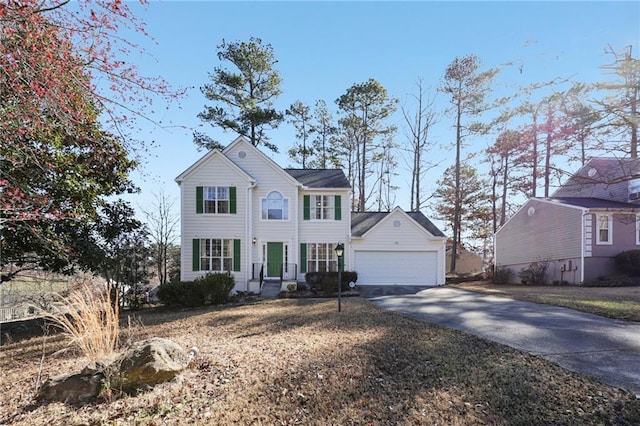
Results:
325 47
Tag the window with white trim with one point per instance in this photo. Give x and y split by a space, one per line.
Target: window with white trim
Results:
275 207
604 229
322 207
216 255
321 257
216 199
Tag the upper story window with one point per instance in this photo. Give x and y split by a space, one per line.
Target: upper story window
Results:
604 229
275 207
216 199
322 207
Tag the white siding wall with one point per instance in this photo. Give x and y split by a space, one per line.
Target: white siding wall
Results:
269 177
214 172
552 232
324 231
409 236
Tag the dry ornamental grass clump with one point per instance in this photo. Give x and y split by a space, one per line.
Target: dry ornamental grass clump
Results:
89 319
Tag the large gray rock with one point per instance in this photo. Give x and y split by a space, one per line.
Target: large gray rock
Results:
71 388
147 363
143 365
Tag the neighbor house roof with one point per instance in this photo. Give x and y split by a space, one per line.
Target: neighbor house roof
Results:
361 222
601 177
320 178
590 203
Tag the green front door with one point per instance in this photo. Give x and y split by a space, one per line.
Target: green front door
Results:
274 259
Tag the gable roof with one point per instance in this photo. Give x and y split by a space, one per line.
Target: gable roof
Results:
590 203
320 178
213 153
602 177
241 143
362 222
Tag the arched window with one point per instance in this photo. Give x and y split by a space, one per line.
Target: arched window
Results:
275 207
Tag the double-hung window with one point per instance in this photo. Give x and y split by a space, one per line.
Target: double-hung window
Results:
604 229
322 207
216 199
275 207
321 257
216 254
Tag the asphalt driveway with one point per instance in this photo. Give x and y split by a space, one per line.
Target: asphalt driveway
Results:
606 349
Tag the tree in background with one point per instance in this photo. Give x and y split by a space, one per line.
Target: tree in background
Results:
620 107
325 132
583 119
505 156
474 207
57 159
299 115
467 88
418 124
243 100
365 108
163 227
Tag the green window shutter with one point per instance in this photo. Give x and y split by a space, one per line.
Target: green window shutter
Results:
236 255
307 207
196 255
337 214
199 199
232 199
303 257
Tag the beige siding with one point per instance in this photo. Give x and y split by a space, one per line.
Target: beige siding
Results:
213 172
552 232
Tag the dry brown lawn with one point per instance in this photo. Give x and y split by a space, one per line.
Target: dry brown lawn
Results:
301 362
613 302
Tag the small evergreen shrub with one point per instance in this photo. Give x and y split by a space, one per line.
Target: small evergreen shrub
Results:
327 282
628 262
535 273
502 275
211 289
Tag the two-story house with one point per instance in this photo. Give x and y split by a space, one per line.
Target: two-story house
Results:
241 212
579 229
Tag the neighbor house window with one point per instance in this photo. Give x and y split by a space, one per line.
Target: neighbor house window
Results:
216 254
275 207
604 224
321 257
216 199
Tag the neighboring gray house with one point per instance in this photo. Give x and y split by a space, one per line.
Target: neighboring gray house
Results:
580 229
244 214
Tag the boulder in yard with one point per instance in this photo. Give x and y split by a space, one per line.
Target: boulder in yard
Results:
71 388
149 362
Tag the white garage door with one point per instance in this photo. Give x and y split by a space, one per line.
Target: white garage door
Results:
396 267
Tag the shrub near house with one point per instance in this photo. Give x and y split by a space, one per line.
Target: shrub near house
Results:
212 289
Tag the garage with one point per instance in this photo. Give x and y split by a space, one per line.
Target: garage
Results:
417 268
396 248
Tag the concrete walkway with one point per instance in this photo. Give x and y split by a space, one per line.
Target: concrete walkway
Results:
606 349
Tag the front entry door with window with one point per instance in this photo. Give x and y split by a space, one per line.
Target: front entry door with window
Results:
274 259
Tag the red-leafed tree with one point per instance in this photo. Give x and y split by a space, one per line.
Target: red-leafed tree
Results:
64 140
